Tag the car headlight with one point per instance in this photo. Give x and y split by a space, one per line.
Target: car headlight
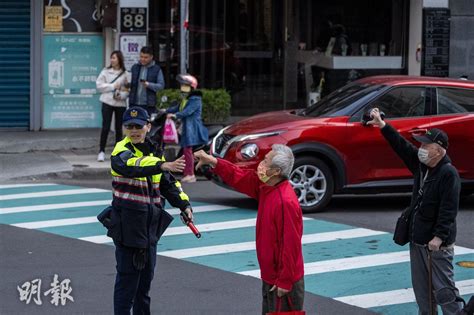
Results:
248 151
257 135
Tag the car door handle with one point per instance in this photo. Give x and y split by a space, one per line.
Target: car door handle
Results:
418 131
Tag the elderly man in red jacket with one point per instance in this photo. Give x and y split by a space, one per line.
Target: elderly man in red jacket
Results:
279 223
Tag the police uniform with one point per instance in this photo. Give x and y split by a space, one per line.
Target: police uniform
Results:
138 217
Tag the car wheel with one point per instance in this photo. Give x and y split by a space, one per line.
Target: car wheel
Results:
313 183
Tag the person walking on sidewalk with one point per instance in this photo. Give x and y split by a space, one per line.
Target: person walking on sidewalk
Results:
147 79
189 112
279 227
433 210
139 178
111 84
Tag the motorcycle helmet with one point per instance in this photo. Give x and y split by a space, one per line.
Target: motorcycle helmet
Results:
187 79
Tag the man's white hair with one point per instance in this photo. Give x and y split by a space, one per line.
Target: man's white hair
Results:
283 159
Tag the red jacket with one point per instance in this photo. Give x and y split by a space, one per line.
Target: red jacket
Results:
279 224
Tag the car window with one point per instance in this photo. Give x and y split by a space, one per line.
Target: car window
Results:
339 99
402 102
451 101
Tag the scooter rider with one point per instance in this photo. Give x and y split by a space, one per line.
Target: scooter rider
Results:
189 112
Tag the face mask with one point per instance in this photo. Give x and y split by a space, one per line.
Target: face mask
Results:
262 173
185 88
423 156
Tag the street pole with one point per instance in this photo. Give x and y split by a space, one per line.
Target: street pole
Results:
183 35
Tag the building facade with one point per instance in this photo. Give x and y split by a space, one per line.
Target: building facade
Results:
269 54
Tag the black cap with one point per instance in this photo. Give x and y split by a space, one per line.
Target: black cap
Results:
135 115
434 136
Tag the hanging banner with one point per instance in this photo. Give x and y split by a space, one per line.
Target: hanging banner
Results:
130 46
71 65
53 18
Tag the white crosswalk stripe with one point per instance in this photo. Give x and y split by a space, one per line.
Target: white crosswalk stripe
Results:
210 227
396 296
357 262
53 193
55 206
92 219
24 185
239 247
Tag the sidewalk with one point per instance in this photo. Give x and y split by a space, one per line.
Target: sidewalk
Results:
57 153
53 154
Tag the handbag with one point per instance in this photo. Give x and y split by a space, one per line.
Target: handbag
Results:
290 304
170 135
400 235
164 221
109 219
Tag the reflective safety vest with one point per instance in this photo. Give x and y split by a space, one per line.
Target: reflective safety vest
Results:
136 200
135 190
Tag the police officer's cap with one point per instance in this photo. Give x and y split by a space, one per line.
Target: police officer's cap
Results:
135 115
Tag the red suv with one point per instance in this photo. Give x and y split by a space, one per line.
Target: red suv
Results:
336 153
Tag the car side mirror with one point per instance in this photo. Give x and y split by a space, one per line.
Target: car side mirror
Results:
366 117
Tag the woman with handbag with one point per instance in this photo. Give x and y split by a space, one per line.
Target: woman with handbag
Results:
111 84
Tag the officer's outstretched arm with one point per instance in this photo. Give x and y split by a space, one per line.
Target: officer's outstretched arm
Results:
171 189
128 165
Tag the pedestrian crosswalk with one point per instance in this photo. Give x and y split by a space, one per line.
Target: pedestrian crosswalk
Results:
358 266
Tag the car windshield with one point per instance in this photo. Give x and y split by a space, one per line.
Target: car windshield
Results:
338 99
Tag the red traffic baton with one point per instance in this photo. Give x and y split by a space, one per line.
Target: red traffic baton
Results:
191 225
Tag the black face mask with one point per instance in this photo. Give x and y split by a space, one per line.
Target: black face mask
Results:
144 147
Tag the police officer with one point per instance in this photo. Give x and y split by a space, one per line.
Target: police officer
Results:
140 178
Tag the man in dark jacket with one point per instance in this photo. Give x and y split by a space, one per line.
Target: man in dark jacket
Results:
433 209
147 79
140 177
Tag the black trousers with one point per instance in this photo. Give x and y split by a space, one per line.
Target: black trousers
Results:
132 286
269 301
107 112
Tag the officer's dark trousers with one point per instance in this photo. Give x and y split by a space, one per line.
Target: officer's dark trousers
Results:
132 286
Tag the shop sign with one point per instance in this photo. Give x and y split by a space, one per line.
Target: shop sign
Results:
130 46
133 20
53 18
436 36
71 65
77 16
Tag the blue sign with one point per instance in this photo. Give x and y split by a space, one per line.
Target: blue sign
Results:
71 65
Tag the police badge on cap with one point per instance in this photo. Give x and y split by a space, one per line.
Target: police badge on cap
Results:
135 115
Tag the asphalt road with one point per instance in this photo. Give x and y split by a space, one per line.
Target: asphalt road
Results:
179 287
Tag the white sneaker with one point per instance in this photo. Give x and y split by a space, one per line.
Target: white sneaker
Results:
101 157
188 179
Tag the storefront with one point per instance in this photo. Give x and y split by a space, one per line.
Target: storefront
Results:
15 18
267 52
270 54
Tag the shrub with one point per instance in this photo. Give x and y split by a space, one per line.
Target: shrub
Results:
215 103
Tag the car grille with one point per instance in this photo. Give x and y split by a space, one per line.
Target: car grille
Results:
220 144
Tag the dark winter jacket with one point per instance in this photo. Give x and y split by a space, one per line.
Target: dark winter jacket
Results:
194 132
436 214
138 183
154 76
